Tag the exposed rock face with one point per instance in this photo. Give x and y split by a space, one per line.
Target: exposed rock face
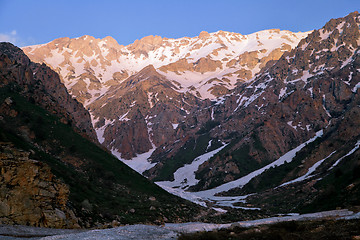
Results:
129 136
30 194
42 85
145 45
203 65
139 113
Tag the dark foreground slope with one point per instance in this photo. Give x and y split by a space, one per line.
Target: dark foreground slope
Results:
101 188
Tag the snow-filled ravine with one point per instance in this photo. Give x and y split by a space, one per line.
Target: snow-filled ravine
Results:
165 232
185 177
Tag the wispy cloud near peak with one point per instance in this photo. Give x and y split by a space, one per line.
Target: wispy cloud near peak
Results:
9 37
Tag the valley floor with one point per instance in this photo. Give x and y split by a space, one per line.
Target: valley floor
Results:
168 231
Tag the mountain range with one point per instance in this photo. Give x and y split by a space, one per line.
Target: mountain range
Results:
119 84
263 122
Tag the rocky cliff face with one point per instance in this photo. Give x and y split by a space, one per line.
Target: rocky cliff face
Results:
30 194
140 113
42 85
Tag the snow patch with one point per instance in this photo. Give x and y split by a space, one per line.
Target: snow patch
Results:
326 111
357 145
297 217
324 34
306 75
183 194
290 124
100 131
309 172
209 145
55 59
124 118
141 162
311 92
184 177
346 62
356 87
149 99
282 92
220 101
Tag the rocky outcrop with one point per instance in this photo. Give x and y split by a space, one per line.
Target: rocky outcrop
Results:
203 65
30 194
145 45
130 137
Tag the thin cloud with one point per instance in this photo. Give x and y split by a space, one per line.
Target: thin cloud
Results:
9 37
14 38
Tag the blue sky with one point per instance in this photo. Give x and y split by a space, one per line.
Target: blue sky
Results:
27 22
